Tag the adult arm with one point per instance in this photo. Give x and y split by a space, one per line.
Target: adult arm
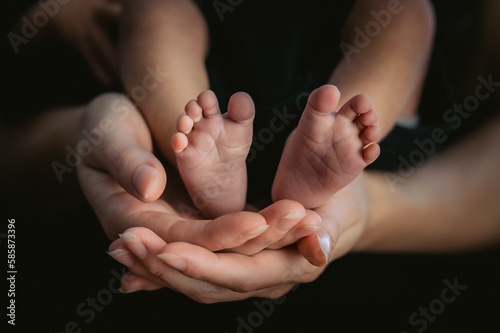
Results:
449 204
388 63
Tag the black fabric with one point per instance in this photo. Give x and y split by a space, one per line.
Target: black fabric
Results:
65 278
279 56
44 72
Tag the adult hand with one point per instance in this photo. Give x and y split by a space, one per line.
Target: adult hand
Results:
210 277
120 169
123 181
85 24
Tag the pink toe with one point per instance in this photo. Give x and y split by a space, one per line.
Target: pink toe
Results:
356 106
368 118
325 99
241 107
179 142
371 153
372 133
194 111
208 102
185 124
361 104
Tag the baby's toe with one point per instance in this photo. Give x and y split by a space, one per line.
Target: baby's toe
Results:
194 110
209 104
361 103
367 119
371 134
358 105
325 99
241 108
185 124
371 153
179 142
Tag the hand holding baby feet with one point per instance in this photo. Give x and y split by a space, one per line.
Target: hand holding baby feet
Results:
287 222
328 149
211 149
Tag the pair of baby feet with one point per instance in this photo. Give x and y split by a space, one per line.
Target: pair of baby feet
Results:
323 154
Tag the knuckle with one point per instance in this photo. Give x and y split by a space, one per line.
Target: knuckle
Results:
157 270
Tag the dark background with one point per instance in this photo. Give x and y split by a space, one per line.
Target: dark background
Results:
61 259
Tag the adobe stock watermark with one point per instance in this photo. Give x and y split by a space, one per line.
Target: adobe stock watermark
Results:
222 7
89 140
453 117
420 319
219 183
88 309
278 123
372 29
30 28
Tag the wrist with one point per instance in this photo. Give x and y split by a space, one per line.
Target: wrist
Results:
382 208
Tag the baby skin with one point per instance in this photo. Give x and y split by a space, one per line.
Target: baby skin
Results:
328 149
325 152
211 149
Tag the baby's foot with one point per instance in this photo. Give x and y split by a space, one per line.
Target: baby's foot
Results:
211 149
327 150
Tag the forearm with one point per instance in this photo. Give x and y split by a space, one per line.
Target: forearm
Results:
169 38
449 204
389 67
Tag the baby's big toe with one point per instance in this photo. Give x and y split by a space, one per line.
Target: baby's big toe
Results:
325 99
241 108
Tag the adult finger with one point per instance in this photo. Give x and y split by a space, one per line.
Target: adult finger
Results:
121 145
235 271
310 224
119 251
282 216
223 276
316 248
132 282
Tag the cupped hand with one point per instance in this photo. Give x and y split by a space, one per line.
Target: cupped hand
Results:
210 277
125 194
123 182
119 175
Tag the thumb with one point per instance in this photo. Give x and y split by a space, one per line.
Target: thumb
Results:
124 150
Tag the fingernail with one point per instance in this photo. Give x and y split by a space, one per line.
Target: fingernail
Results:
120 256
325 244
144 179
128 279
293 216
312 227
173 261
258 231
135 244
289 221
306 230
